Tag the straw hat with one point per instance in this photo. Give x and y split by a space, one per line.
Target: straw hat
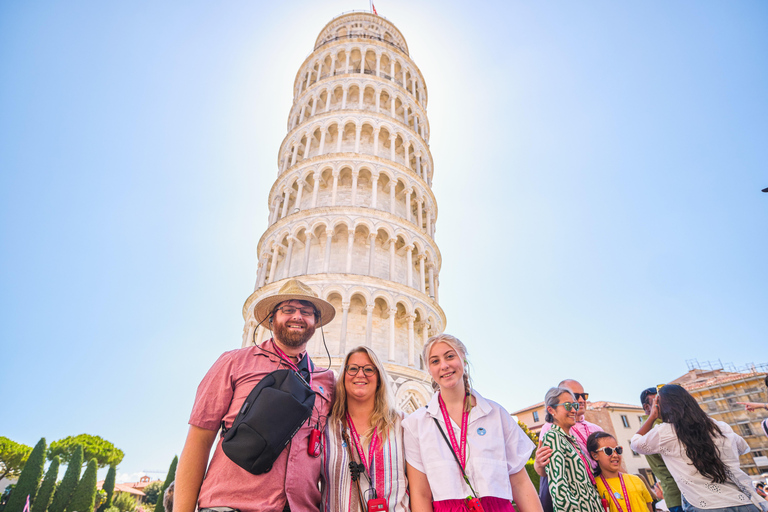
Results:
294 290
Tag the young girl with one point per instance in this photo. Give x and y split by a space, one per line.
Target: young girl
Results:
622 492
463 452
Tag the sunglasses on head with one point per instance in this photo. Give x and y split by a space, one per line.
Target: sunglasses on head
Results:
579 396
569 405
609 451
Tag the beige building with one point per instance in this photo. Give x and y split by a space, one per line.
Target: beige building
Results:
619 420
351 211
718 390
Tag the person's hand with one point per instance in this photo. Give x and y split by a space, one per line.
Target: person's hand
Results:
654 414
753 406
542 459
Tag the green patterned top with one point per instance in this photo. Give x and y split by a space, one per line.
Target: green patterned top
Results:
569 483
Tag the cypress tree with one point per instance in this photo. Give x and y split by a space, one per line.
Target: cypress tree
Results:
109 488
29 479
159 507
67 486
85 494
45 494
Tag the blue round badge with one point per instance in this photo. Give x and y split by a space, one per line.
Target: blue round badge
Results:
481 431
321 389
618 495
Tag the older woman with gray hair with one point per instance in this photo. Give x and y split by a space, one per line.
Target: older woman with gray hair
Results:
571 483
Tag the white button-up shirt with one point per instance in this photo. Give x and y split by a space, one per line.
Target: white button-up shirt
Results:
496 448
699 490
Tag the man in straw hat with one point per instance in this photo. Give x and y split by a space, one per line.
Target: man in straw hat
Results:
292 484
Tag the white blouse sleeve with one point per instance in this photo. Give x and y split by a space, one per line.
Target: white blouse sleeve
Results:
518 445
648 444
411 442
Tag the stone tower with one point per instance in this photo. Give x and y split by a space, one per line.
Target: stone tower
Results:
351 212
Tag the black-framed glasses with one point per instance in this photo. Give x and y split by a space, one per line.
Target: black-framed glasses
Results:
579 396
289 310
569 405
368 370
609 451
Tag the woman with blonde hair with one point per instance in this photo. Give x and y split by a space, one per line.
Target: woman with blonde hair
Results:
363 456
463 452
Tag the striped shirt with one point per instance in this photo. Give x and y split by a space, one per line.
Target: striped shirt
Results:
339 493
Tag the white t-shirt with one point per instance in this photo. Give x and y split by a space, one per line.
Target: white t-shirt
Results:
496 448
697 489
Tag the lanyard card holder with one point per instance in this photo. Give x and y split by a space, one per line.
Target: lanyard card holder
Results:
473 502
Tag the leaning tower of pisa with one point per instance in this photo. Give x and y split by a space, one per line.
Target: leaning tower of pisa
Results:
351 212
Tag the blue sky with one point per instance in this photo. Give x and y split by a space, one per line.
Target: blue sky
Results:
598 168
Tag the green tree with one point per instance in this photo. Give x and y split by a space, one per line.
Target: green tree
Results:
67 486
94 447
124 502
152 491
29 480
85 493
159 507
101 498
13 456
45 494
109 488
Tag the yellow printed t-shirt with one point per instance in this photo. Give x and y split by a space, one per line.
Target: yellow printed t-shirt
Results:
639 496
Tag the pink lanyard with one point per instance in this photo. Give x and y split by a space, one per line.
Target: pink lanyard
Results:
375 455
290 363
623 490
460 449
579 434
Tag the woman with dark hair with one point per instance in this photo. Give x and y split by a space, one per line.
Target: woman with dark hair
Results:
702 454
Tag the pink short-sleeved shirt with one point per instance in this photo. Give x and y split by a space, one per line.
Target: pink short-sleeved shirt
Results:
295 474
581 431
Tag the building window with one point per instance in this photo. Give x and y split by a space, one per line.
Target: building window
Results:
640 420
535 415
746 430
625 421
757 453
634 453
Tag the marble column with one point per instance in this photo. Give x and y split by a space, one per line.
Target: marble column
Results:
391 352
369 325
411 341
328 240
343 337
374 189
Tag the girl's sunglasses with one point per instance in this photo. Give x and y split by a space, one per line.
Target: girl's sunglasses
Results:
609 451
569 405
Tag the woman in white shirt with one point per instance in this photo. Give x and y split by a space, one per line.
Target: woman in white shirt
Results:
463 452
702 454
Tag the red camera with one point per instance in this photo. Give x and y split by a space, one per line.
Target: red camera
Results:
474 505
315 445
378 505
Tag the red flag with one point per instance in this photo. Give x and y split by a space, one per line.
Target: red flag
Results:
374 9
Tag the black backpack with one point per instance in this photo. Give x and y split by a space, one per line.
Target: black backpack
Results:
270 416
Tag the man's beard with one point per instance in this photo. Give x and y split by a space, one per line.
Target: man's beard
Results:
290 338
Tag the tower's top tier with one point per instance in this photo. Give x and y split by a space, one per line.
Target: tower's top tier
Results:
361 25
